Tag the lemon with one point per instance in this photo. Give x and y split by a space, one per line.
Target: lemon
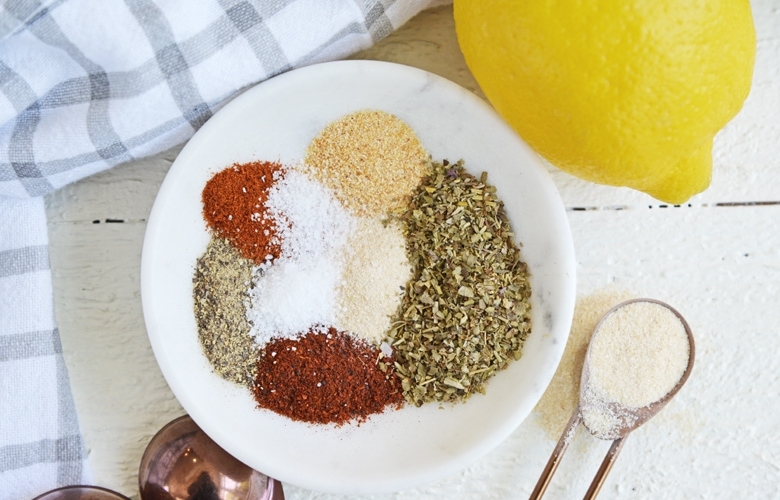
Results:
625 93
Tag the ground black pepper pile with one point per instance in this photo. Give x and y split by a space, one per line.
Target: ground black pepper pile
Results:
221 281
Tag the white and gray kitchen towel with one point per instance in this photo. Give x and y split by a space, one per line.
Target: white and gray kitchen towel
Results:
86 85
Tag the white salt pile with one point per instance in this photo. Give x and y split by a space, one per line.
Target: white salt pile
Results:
335 268
298 290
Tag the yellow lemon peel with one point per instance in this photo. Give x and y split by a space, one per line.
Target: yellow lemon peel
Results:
615 92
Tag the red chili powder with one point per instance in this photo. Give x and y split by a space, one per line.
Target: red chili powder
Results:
234 208
326 378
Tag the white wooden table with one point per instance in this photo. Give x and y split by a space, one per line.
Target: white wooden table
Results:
717 259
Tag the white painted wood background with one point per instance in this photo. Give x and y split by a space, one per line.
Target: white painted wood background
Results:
717 259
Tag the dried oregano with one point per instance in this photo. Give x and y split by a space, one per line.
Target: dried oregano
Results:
466 310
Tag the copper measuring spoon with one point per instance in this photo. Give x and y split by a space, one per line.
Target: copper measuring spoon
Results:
629 418
81 492
182 462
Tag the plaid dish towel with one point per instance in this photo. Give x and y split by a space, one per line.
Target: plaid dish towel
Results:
86 85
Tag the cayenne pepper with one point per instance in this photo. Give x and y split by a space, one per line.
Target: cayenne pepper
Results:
234 208
326 376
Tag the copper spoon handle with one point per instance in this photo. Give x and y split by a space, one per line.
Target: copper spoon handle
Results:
278 490
557 454
555 458
606 466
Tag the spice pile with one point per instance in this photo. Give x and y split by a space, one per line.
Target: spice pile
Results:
638 355
562 396
465 313
364 277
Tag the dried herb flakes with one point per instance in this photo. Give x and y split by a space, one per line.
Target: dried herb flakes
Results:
466 311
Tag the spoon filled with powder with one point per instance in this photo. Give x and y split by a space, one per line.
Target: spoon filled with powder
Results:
640 355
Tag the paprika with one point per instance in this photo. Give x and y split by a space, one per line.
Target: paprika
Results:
234 208
326 376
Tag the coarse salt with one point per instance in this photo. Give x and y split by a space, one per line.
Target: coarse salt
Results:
298 290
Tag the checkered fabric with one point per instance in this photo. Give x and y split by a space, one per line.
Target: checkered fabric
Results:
39 431
89 84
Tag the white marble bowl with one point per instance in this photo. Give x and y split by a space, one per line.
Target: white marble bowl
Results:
276 120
